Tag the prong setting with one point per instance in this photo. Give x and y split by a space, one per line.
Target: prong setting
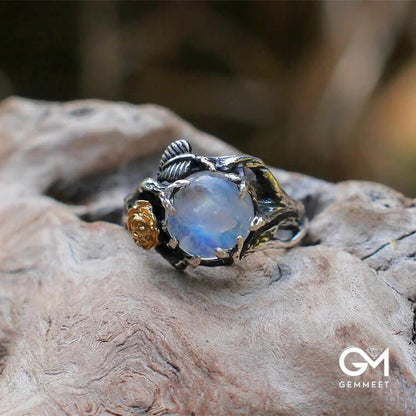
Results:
194 261
240 243
257 223
240 182
243 188
166 197
221 253
173 242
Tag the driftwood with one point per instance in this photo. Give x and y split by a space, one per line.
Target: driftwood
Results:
90 324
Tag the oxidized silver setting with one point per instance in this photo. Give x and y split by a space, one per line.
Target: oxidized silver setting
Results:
275 212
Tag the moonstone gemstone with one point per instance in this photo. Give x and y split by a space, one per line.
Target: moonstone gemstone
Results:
209 214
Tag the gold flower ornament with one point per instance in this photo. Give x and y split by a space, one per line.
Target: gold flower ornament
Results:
142 225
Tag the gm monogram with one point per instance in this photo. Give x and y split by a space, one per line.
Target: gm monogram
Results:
374 359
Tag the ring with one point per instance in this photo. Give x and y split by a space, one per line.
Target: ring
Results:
211 211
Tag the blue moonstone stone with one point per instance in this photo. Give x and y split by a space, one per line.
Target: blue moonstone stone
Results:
209 214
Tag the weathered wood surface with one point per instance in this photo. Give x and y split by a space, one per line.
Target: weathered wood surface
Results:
90 324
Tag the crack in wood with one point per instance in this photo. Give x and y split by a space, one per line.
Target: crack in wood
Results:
386 244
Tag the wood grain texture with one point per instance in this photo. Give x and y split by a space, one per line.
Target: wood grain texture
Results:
91 325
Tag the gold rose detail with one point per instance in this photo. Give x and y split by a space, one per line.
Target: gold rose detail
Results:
142 225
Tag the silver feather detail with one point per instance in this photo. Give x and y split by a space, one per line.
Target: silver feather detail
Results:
175 161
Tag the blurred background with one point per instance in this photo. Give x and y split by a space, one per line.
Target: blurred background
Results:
323 88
